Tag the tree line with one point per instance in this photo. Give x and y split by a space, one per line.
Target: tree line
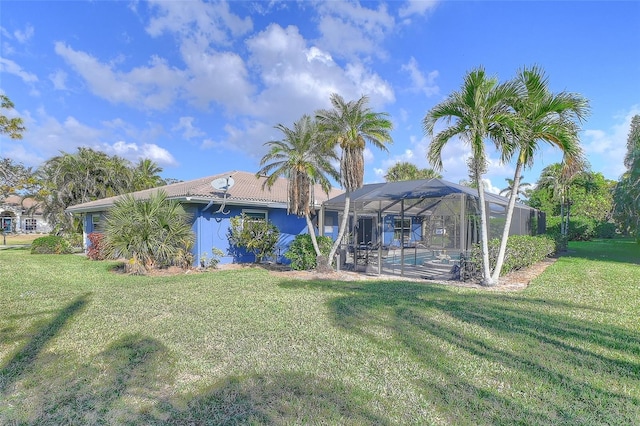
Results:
516 117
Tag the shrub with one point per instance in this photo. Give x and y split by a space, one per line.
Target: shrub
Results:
51 244
206 262
302 254
149 233
581 228
605 230
253 235
96 247
522 251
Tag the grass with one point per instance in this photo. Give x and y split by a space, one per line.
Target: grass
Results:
82 345
18 239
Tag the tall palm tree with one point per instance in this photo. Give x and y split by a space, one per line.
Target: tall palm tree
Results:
146 174
477 112
403 170
506 192
543 117
349 126
304 159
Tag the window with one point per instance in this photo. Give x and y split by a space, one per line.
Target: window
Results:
400 227
96 222
255 214
29 224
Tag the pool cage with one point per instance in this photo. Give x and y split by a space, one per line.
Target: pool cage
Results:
420 228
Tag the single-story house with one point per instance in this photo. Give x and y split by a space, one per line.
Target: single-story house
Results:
212 201
22 215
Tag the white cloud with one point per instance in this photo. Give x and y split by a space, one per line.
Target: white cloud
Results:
350 29
59 80
154 86
25 35
134 152
606 149
417 7
204 22
419 81
216 77
185 124
10 67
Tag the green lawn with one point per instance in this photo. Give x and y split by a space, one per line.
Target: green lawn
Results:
82 345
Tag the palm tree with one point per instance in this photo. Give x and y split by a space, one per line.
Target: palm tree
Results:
304 159
350 125
506 192
149 233
146 174
543 117
403 170
478 111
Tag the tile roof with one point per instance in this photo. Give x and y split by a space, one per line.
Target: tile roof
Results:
247 189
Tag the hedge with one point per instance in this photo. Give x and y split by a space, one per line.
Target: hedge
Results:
51 244
522 251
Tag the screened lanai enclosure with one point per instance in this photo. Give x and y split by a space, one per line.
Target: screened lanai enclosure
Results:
420 228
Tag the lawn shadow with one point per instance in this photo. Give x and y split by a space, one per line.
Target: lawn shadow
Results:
132 368
535 340
23 359
283 398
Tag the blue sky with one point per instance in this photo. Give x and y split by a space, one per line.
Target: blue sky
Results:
199 86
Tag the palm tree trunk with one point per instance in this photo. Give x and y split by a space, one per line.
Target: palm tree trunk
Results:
312 233
507 223
486 270
343 225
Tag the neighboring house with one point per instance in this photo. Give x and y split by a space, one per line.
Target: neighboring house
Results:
211 207
22 215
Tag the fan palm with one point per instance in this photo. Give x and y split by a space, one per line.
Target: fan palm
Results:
149 233
304 159
478 111
349 126
543 117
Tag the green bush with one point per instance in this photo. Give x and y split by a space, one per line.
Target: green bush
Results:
51 244
256 236
522 251
605 230
302 254
581 229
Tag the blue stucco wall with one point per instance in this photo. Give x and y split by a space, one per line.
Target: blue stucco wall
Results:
212 229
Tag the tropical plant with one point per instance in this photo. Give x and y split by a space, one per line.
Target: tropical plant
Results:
256 236
479 110
146 175
13 127
15 178
302 252
150 233
523 190
349 126
304 159
403 170
542 117
627 191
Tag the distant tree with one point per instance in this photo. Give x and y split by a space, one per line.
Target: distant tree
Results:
10 126
304 159
87 175
627 191
522 190
404 170
14 178
146 175
148 233
477 111
349 126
